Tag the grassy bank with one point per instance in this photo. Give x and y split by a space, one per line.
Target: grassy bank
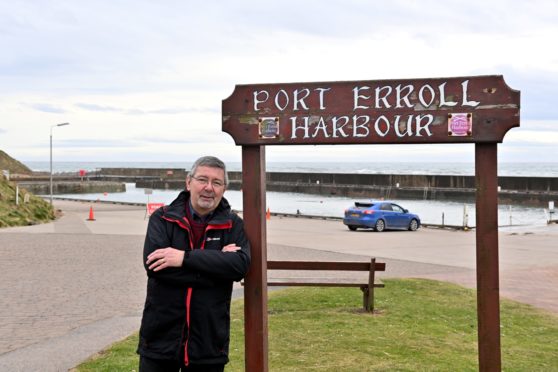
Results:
13 165
421 325
31 209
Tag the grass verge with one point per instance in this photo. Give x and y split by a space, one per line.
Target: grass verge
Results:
31 209
421 325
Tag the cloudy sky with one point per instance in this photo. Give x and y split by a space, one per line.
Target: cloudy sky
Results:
144 80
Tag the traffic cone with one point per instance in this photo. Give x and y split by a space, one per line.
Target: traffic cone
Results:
268 214
91 214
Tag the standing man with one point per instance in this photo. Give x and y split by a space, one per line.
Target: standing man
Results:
194 249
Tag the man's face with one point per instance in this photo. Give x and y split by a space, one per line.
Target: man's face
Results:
206 187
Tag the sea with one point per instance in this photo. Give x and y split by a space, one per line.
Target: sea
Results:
430 211
527 169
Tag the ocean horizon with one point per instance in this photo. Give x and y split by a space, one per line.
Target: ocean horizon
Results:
511 169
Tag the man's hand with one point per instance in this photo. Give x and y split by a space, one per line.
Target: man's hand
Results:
171 257
230 248
165 257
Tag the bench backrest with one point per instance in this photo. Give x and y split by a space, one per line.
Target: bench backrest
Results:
325 265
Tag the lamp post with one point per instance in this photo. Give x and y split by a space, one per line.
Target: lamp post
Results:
51 127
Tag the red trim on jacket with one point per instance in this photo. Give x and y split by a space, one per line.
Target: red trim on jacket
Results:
222 226
188 299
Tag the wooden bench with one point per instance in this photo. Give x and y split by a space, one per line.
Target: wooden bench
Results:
367 286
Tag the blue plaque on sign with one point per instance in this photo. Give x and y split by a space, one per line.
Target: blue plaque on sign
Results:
269 127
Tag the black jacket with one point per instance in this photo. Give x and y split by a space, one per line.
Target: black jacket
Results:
187 309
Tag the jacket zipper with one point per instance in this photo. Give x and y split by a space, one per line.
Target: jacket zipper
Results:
186 226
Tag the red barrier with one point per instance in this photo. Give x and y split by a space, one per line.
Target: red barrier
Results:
152 207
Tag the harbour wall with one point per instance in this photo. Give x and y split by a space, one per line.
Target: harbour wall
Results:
523 184
72 187
536 191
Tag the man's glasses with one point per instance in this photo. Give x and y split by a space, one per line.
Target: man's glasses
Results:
217 184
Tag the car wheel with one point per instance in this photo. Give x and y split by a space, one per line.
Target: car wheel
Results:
380 226
413 226
352 228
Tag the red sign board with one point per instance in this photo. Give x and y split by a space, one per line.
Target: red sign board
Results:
152 207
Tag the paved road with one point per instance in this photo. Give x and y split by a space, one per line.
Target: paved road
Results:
69 288
72 287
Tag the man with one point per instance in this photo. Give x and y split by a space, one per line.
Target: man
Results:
194 249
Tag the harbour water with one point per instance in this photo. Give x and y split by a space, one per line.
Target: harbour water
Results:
430 211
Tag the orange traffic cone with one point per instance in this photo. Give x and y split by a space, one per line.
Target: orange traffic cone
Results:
91 214
268 215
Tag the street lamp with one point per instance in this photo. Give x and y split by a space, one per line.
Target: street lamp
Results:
51 127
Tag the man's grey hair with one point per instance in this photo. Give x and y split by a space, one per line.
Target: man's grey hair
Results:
211 162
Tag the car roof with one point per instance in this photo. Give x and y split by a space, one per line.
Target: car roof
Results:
371 203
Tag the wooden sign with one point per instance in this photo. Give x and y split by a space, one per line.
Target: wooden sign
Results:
442 110
476 109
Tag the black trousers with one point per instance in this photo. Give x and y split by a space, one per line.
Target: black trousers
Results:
156 365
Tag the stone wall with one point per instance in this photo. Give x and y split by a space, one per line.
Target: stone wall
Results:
75 187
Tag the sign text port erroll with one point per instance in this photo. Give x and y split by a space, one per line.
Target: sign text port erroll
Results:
442 110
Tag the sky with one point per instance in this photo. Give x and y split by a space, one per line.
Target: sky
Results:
144 80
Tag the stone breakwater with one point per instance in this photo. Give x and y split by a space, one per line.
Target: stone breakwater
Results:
532 191
536 191
72 187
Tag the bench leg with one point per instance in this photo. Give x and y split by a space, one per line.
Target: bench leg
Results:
371 299
366 303
371 280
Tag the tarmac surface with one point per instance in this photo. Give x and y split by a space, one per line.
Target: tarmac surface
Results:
73 287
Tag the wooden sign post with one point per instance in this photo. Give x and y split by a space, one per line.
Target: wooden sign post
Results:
475 109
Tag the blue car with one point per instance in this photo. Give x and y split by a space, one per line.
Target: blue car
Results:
380 215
